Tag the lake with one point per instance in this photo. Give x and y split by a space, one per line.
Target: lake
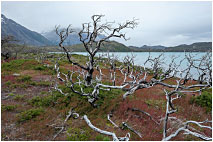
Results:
141 57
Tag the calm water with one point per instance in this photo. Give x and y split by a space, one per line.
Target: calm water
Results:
141 57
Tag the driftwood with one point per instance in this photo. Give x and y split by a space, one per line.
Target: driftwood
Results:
130 128
113 135
70 113
146 113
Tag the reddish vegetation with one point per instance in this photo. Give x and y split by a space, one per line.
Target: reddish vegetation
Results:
150 100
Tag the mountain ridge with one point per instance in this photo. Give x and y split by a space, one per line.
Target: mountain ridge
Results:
21 33
26 36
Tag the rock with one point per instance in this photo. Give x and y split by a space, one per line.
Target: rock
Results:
16 74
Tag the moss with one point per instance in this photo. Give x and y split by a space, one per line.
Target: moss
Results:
29 114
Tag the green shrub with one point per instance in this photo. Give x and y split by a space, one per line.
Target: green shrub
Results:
42 83
8 83
43 92
42 101
11 94
156 103
102 138
17 65
40 68
8 107
19 97
204 100
29 114
76 134
24 78
12 65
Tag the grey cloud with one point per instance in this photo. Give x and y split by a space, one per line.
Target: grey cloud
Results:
166 23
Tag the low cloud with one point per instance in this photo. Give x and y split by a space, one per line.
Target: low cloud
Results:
161 23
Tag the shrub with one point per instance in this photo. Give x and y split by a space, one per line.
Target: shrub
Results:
42 83
12 65
8 83
76 134
17 65
19 97
11 94
29 114
102 138
24 78
8 107
40 68
204 100
156 103
44 101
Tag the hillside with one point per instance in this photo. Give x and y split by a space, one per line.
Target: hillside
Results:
111 46
32 110
24 35
195 47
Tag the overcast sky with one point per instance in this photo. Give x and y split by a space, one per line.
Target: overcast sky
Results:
160 23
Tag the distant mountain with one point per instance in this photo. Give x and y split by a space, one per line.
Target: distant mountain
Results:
111 46
153 47
72 39
24 35
195 47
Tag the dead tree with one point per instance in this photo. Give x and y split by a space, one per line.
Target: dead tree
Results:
184 126
135 78
183 84
203 65
6 49
89 38
115 138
